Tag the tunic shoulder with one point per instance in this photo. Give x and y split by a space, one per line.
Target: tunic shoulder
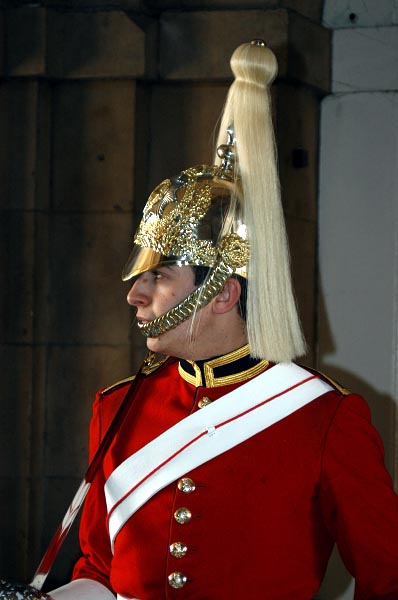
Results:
335 384
152 363
117 385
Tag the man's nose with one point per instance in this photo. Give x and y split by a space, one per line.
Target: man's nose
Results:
138 293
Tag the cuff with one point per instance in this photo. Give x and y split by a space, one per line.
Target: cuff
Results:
82 589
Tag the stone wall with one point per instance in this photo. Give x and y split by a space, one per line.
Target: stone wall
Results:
97 105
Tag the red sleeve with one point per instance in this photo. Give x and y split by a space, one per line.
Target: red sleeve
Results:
359 503
96 558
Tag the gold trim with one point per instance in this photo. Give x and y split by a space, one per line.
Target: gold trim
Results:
115 385
196 379
237 377
230 357
220 361
335 384
152 362
211 380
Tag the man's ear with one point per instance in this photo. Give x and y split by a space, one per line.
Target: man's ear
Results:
229 296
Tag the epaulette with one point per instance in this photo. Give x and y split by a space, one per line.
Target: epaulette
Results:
337 386
151 363
112 387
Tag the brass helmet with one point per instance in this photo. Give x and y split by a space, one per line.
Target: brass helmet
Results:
211 215
192 219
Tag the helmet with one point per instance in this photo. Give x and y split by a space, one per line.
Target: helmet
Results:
228 217
192 219
186 222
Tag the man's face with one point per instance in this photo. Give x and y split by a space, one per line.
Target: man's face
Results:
154 293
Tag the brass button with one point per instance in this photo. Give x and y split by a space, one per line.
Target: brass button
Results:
204 402
182 515
186 485
178 549
177 580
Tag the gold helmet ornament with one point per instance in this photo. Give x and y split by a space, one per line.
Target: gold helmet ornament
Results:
228 217
188 220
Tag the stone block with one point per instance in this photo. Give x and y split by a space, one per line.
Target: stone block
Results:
44 139
32 511
18 151
9 558
15 557
24 274
58 493
301 46
133 5
26 40
302 238
143 147
17 252
184 119
2 42
44 41
75 373
93 151
114 46
308 8
297 132
213 4
338 14
87 300
309 53
365 62
312 9
15 409
183 55
19 434
41 278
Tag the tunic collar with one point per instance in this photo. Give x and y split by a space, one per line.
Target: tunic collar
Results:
234 367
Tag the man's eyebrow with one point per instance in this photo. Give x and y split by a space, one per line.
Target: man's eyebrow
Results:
172 268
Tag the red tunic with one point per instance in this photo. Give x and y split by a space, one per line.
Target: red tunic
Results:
262 518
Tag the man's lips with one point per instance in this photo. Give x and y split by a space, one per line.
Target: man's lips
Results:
141 320
143 323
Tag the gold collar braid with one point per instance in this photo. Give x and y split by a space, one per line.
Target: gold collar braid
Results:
235 367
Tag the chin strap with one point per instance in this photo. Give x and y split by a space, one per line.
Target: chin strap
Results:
195 301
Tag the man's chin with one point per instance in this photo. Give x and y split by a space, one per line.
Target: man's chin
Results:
152 343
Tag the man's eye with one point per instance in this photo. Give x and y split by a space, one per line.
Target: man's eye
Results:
157 275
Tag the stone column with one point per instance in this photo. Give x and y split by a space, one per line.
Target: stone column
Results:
67 97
